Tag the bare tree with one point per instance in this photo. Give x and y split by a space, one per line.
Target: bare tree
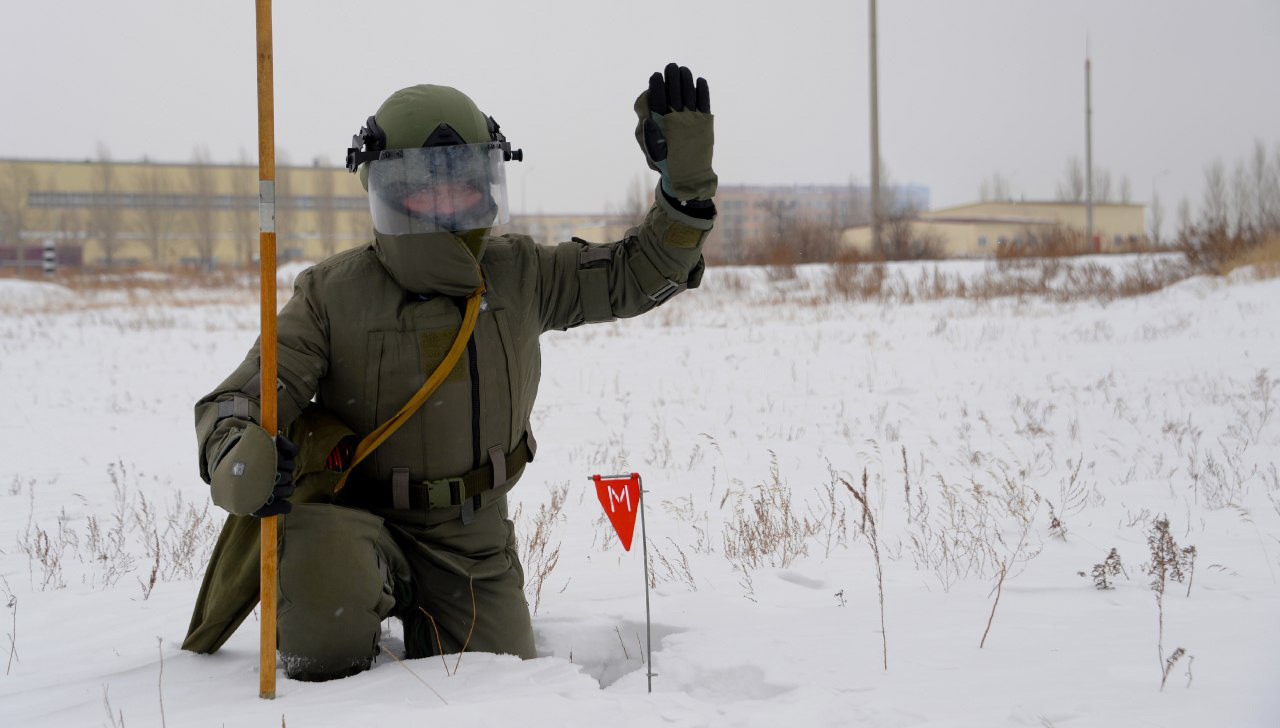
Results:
244 212
790 239
1071 186
156 216
902 238
326 210
1234 215
1265 186
1241 202
70 226
637 202
1272 192
1185 224
244 209
288 211
995 187
1157 218
813 242
201 191
1214 207
15 191
779 212
857 205
1101 185
104 214
358 228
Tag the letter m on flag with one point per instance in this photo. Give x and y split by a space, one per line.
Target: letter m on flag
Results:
620 496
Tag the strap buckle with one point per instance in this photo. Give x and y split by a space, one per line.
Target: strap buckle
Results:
237 407
445 492
668 290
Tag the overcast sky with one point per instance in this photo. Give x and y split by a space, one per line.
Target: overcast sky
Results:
967 88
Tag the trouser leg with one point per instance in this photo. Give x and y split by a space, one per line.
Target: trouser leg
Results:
339 575
456 565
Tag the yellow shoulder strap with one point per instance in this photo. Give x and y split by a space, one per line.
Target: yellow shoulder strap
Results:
380 435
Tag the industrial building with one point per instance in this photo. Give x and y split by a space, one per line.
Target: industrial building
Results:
122 214
751 215
985 228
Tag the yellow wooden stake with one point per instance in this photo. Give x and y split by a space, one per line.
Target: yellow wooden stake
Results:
267 272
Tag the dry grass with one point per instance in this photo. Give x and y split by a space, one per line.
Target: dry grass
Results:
765 529
676 568
1106 570
11 601
154 280
537 554
1048 279
177 540
1216 249
1265 257
1168 563
1015 274
964 535
873 540
991 618
1059 241
157 289
794 242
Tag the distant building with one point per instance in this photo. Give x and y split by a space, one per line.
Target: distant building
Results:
981 229
149 213
749 215
163 214
556 228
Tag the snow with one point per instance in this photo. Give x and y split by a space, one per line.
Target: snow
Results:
1114 413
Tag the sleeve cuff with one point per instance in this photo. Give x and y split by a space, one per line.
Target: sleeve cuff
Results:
699 214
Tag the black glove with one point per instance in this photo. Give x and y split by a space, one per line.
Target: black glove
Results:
278 502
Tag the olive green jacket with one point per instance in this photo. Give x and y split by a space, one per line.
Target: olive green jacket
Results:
366 327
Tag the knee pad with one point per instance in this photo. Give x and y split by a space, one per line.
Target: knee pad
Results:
336 585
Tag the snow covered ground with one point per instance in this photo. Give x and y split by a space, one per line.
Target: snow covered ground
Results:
1023 437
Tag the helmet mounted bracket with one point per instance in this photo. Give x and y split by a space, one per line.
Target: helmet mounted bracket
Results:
366 145
495 134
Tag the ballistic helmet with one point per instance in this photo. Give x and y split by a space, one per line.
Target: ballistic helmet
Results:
432 162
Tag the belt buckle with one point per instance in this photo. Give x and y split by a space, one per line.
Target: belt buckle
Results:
445 492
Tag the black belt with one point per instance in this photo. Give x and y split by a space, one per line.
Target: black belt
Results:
404 495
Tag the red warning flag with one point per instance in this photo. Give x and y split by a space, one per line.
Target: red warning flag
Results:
620 496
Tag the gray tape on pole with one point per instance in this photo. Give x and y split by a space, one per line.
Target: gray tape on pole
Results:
266 206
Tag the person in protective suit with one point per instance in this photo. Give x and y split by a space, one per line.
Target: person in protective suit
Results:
396 508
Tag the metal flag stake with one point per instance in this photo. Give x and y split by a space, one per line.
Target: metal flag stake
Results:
622 497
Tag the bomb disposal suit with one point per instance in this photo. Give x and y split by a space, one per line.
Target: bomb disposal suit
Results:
419 529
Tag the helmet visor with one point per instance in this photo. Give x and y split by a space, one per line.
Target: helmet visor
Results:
432 189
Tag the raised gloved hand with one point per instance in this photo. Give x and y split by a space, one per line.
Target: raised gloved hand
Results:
676 132
255 474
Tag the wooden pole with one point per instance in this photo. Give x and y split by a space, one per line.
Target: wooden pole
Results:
267 273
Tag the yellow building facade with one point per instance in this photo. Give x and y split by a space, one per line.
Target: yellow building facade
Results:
147 213
985 228
114 214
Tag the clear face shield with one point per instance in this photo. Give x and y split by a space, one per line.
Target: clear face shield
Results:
438 189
